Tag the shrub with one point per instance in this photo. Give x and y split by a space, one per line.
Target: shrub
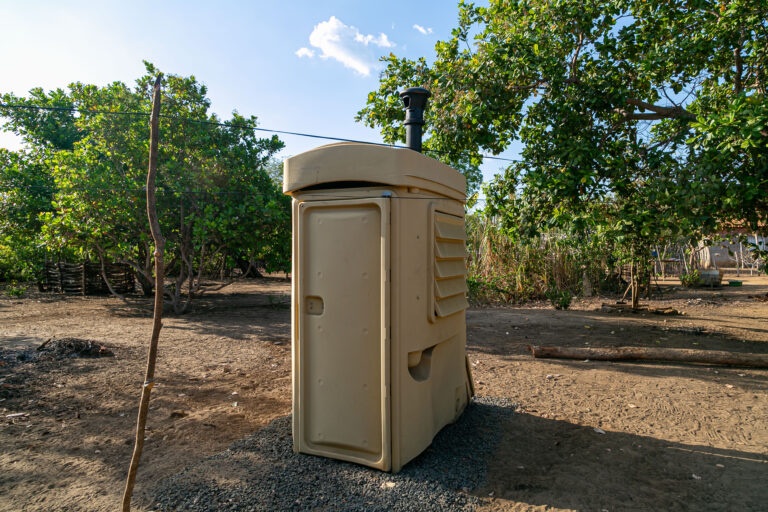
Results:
503 269
690 278
15 290
560 299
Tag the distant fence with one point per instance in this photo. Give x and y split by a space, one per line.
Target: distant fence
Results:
85 278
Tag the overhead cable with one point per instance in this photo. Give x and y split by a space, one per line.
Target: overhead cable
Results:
223 124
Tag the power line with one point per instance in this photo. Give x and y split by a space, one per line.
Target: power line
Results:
100 191
225 125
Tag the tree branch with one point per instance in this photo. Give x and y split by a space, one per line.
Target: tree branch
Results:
658 112
104 276
738 63
575 57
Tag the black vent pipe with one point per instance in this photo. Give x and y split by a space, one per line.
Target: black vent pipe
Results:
415 100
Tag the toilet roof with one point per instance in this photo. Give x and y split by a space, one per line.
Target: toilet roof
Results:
353 162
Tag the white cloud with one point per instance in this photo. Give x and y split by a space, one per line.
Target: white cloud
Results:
381 41
423 30
305 52
345 44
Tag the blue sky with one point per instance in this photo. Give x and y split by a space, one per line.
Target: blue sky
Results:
298 65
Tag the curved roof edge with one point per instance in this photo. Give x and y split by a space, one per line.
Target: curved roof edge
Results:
357 162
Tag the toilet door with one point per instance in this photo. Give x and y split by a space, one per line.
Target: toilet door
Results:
341 340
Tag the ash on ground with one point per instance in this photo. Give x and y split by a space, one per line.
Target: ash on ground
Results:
74 347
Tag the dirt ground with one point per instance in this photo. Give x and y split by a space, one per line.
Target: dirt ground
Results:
587 435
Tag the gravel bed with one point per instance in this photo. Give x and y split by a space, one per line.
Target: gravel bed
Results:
262 473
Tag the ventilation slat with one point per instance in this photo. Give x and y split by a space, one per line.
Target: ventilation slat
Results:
450 286
451 305
450 268
449 227
450 249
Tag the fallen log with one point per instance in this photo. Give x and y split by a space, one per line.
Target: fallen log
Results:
672 355
642 308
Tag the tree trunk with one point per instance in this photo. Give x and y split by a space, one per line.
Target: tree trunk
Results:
248 267
147 286
635 284
144 272
676 355
106 278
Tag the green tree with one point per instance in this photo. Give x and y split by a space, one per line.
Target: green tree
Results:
26 189
640 118
51 127
216 201
26 183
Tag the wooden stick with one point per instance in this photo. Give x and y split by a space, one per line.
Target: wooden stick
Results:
154 226
676 355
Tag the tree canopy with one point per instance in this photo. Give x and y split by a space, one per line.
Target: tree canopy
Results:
641 118
217 203
26 188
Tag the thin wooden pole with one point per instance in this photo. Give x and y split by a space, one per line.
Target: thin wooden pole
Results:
154 226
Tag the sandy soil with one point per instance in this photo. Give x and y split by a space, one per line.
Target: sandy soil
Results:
588 435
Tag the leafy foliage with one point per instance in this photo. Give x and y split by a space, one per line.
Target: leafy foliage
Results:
560 299
690 279
217 203
52 128
26 189
504 270
640 120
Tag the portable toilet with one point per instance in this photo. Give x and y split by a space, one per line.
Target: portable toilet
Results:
379 300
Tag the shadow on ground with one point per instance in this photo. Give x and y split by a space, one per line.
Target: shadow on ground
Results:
490 455
559 464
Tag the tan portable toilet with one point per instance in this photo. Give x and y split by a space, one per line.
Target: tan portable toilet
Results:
379 300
